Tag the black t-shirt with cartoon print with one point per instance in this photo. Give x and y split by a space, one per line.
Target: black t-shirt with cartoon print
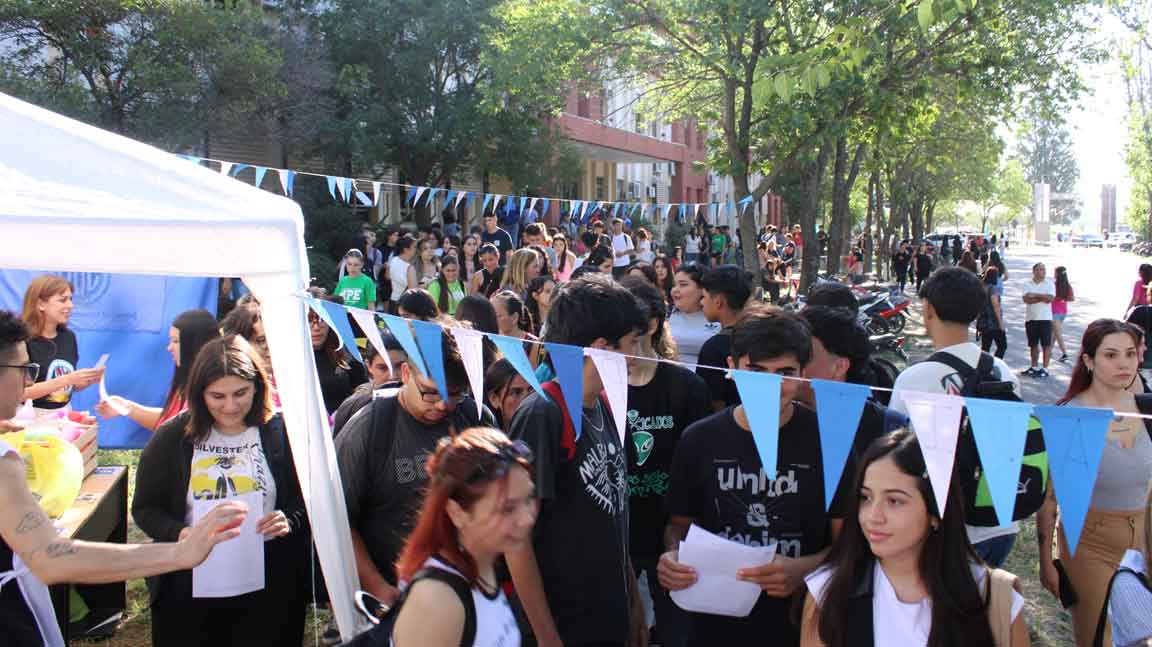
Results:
657 414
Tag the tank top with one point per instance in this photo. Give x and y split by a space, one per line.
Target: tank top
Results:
26 613
490 281
495 624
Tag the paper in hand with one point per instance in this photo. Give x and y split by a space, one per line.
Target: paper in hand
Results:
104 397
235 566
717 560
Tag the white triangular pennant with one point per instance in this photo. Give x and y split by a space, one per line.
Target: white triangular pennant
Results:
375 193
470 343
340 188
460 198
936 420
496 202
419 193
283 173
225 168
613 369
367 322
532 204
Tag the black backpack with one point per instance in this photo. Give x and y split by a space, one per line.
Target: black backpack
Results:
982 382
380 635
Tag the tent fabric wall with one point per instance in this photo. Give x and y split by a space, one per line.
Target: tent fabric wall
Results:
84 199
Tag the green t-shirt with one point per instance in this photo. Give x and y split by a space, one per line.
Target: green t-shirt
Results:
719 241
357 292
456 294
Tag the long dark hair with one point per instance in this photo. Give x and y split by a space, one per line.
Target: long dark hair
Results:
534 286
669 280
419 304
1094 335
479 312
1063 287
653 301
331 345
229 356
958 606
561 259
196 328
445 299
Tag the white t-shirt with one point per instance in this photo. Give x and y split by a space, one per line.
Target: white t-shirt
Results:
1040 311
621 243
690 332
224 466
495 624
894 622
934 377
691 244
645 251
398 274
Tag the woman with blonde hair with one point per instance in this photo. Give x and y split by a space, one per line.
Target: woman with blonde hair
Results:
522 268
47 308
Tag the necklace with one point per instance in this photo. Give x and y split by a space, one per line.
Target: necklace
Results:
598 427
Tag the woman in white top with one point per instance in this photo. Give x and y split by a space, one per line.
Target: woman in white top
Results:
690 328
479 504
904 574
644 246
692 245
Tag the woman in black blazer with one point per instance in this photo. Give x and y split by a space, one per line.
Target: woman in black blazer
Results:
228 443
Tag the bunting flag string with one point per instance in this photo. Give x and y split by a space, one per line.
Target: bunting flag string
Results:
344 189
1074 436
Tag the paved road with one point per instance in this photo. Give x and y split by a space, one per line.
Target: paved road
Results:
1102 281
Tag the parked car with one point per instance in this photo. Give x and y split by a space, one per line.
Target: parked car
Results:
1087 240
1123 239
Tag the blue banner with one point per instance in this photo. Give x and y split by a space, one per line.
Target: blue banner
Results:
338 319
513 350
1074 438
128 317
568 361
760 393
430 338
839 406
403 334
1000 429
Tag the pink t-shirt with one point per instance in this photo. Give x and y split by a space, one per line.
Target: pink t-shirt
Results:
1139 293
1059 307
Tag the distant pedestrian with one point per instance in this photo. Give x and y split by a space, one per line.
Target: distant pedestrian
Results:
1140 288
1038 296
1064 294
901 260
990 323
923 266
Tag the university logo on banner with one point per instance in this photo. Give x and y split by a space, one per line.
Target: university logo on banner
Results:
117 302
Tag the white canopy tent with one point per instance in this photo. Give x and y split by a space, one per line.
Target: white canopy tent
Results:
105 203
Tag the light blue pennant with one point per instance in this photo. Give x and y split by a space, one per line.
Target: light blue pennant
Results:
523 205
760 395
430 338
1074 439
448 197
544 206
468 200
683 209
432 194
331 186
1000 429
288 181
403 334
411 195
338 319
839 406
513 350
260 171
568 362
667 210
574 210
236 168
487 199
364 198
192 158
349 185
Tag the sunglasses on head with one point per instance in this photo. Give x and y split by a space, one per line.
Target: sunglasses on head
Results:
498 464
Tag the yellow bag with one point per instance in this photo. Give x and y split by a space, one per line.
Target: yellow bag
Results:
54 470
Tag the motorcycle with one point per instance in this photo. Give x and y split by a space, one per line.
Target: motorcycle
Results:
885 312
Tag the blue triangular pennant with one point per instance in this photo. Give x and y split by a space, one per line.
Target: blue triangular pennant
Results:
364 198
338 317
403 334
410 196
430 338
1000 428
448 197
568 362
523 205
513 350
544 207
432 194
260 171
839 406
236 168
290 182
468 200
760 395
1074 438
349 185
683 209
331 186
574 210
192 158
487 199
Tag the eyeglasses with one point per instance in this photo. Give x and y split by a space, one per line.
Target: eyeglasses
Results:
31 369
317 322
433 397
498 466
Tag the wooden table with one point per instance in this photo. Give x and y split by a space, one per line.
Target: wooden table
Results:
100 513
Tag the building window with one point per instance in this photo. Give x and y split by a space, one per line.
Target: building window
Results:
639 124
619 190
599 188
582 106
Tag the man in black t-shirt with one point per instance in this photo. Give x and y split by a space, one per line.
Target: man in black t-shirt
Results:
382 452
901 260
497 237
719 484
726 290
575 581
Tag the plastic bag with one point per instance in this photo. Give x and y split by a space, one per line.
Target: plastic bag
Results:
54 470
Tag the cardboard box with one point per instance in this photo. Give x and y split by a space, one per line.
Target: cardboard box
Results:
88 443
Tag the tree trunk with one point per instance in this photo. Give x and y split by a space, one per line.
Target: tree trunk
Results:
930 216
917 218
838 230
869 238
812 178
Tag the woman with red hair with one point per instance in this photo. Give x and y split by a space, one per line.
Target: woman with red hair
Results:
480 503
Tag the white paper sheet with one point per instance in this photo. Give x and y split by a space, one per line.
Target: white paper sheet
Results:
116 406
236 566
717 560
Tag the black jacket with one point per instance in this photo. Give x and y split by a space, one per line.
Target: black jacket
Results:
160 502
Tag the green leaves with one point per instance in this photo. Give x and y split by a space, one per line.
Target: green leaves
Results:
924 15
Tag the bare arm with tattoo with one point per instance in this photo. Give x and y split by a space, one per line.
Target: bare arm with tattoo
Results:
52 559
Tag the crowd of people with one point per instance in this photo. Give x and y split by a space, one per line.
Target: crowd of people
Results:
488 519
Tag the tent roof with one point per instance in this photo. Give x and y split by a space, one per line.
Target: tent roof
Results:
65 181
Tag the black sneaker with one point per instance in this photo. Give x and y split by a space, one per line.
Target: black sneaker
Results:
1029 372
1041 372
1063 358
